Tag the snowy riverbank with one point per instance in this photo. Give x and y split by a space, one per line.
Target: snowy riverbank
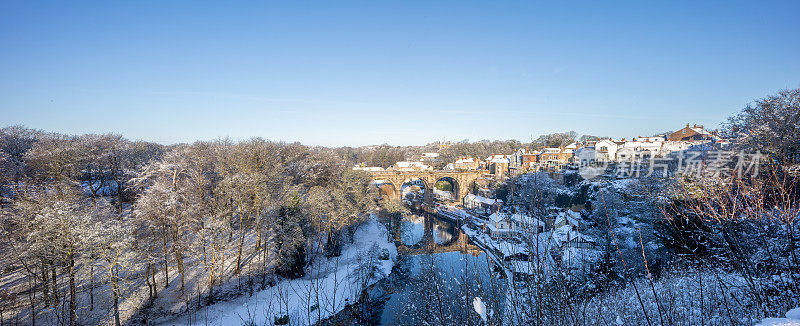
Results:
334 283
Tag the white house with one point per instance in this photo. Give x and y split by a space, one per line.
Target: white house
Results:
501 225
641 148
669 147
566 236
482 203
606 149
429 157
585 155
505 225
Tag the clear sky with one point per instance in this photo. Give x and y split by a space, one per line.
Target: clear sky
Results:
407 72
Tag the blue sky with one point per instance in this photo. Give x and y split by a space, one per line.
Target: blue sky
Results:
369 72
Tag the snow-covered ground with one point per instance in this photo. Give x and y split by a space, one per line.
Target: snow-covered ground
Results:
792 319
318 295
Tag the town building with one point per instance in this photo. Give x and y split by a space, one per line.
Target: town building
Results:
504 225
606 149
567 237
467 163
483 204
410 166
429 158
499 165
639 149
525 159
693 133
530 160
567 217
516 158
555 157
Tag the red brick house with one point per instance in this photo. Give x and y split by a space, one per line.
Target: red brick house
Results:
692 133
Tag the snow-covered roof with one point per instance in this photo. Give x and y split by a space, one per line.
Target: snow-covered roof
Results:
517 218
572 146
500 160
407 164
488 201
498 217
640 145
671 146
650 139
430 155
566 234
551 150
527 219
368 168
699 130
497 156
570 217
466 160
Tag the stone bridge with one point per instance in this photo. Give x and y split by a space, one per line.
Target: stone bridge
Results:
394 181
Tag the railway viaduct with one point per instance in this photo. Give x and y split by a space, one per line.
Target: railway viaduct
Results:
393 181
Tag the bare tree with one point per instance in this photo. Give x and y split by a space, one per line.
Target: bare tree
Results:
770 125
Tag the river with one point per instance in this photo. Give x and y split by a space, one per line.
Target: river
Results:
430 288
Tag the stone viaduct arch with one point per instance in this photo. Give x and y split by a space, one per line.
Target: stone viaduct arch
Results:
462 181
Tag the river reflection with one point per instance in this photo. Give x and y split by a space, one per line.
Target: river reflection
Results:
412 229
442 233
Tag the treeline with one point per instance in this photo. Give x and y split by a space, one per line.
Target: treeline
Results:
90 220
386 155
